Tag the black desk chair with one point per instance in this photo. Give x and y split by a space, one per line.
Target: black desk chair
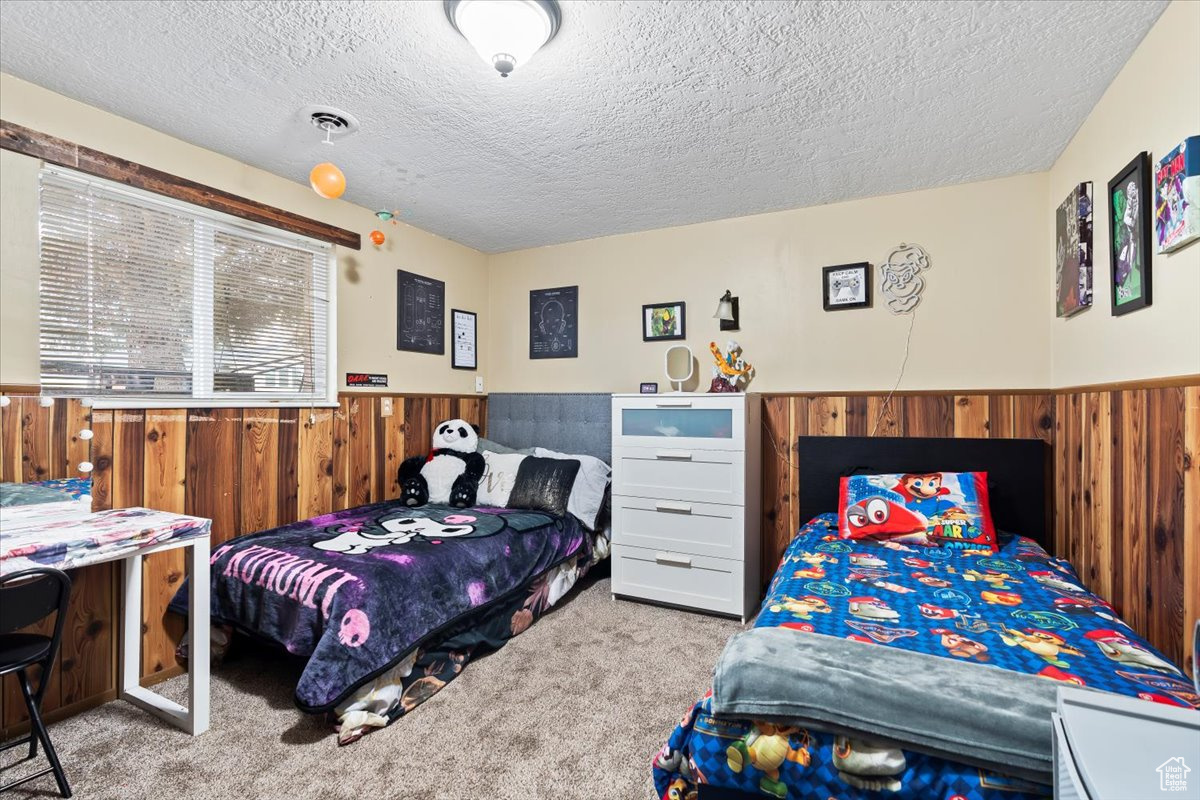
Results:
27 597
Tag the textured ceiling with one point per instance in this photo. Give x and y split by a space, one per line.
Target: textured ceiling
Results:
638 115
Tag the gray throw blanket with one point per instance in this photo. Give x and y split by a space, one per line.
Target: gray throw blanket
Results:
971 713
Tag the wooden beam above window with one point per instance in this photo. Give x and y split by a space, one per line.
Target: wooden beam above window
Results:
51 149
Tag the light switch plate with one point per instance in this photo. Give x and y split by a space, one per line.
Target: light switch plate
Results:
385 406
479 384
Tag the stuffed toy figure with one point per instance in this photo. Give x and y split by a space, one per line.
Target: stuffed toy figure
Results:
450 474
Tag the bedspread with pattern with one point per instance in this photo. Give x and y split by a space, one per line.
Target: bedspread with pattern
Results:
357 591
1018 609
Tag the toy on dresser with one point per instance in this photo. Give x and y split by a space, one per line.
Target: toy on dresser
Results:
731 371
450 474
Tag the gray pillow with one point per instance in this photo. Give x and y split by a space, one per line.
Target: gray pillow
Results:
487 445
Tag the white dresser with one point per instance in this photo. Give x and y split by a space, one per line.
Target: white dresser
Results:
686 500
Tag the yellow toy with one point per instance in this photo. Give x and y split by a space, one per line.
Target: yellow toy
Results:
766 748
731 369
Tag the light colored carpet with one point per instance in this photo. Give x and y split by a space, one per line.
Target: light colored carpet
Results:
575 707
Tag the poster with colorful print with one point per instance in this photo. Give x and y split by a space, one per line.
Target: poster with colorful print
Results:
1177 196
1073 255
1129 238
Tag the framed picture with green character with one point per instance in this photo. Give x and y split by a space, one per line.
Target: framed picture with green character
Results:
1129 207
662 322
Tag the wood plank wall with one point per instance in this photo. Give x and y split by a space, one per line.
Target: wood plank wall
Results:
246 469
1126 481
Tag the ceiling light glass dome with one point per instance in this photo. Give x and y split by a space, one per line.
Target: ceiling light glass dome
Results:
505 33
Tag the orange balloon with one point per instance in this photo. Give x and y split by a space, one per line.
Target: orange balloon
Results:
327 180
377 237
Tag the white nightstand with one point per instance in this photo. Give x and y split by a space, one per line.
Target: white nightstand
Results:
686 499
1108 747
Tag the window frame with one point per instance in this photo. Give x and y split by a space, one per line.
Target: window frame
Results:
202 309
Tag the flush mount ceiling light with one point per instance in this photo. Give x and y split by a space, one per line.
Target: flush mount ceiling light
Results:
505 33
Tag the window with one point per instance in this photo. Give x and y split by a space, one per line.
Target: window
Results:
148 298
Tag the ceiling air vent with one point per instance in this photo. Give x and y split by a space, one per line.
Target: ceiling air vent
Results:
333 122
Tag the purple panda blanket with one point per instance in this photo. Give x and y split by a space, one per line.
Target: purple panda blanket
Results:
357 590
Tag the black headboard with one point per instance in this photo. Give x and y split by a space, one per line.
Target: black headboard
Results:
1018 473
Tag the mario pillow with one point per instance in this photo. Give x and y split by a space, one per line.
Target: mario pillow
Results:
934 509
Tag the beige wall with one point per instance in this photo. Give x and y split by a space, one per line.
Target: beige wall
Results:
983 322
366 278
1147 107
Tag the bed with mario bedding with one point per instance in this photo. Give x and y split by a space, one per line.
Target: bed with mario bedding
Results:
906 650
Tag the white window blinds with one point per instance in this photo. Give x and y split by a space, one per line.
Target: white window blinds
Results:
147 297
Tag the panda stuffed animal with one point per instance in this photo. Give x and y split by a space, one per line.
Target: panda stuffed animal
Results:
450 474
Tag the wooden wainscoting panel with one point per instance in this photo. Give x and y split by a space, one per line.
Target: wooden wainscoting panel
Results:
162 573
340 456
259 474
102 459
418 429
213 488
1165 452
362 450
885 416
129 458
87 658
1134 514
395 437
314 463
929 415
474 411
971 418
1191 523
827 416
287 482
777 444
36 458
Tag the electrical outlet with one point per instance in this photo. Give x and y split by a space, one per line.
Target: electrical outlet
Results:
479 384
385 406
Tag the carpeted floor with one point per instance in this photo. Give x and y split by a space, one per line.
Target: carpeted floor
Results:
575 707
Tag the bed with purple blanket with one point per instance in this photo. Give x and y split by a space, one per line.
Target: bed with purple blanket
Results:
388 603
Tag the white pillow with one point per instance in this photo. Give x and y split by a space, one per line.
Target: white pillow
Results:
587 493
499 476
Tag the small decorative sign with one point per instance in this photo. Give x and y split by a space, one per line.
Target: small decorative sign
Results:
365 379
463 329
648 388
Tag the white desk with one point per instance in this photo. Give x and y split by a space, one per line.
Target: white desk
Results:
68 536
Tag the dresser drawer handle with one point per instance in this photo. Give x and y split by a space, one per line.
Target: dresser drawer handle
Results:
682 455
674 404
667 558
680 508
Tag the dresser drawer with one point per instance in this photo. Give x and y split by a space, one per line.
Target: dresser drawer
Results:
703 529
714 584
680 421
683 474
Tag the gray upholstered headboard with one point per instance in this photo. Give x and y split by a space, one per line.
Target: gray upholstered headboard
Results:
568 423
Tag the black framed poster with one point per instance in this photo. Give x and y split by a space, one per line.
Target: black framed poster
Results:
420 313
463 329
554 322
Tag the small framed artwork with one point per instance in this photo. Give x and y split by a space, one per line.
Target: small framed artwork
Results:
664 321
847 286
1073 251
648 388
1129 242
464 326
1177 196
554 322
420 313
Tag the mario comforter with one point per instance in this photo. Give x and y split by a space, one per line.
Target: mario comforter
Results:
1019 609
